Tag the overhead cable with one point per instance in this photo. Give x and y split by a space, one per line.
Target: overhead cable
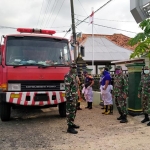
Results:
89 16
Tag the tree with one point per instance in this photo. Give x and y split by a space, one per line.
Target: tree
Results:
142 40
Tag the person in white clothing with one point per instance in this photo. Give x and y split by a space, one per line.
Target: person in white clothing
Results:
108 101
106 92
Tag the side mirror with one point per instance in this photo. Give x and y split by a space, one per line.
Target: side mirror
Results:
82 51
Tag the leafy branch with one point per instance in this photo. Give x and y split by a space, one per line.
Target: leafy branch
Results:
142 40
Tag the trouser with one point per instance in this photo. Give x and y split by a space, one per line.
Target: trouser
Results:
145 102
107 97
71 107
121 105
89 94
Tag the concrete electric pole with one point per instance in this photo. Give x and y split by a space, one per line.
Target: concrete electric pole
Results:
73 30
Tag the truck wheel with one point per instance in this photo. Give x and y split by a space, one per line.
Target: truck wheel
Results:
62 109
5 110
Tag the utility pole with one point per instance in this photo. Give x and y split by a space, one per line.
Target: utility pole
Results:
73 30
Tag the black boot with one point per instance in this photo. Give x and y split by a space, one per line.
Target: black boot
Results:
75 126
110 110
78 106
145 119
71 130
148 124
105 109
119 118
88 105
124 119
121 115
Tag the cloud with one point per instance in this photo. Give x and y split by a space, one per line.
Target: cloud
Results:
57 15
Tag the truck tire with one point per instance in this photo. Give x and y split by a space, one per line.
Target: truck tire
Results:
5 111
62 109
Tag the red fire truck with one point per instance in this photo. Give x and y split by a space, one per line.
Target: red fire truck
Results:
32 68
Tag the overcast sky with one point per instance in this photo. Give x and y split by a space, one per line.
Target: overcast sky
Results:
56 14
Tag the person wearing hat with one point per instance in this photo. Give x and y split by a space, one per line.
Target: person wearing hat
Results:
71 89
89 81
120 93
143 93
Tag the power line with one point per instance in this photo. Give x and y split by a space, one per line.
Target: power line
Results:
8 27
110 27
89 16
61 27
82 6
40 13
107 19
94 12
52 10
58 12
45 12
95 29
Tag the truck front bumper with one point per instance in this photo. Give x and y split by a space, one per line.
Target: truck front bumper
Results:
33 98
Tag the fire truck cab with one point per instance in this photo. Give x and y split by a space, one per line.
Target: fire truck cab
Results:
32 68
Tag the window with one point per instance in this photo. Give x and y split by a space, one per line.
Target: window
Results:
36 50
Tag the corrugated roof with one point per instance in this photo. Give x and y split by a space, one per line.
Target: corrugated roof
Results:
104 50
118 39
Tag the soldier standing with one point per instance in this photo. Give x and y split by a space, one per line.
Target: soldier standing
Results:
120 93
71 89
143 93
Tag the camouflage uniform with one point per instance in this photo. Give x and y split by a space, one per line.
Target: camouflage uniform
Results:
120 89
79 94
71 89
144 89
144 93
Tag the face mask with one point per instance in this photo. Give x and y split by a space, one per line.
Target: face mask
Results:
146 71
118 71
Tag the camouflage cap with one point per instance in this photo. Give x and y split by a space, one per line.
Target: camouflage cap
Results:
146 67
118 67
73 65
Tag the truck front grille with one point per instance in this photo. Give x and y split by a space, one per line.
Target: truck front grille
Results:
33 85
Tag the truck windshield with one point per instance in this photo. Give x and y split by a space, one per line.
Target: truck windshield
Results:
27 50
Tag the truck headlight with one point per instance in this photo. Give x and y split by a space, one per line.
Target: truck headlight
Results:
62 86
14 87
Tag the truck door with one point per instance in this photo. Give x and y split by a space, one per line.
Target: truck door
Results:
0 65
